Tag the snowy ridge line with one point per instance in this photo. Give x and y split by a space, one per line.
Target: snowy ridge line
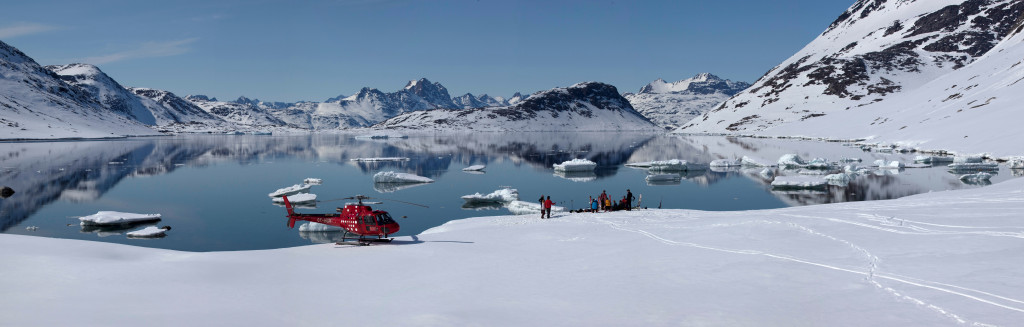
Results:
895 278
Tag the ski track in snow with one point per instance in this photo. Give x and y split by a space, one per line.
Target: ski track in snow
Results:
870 271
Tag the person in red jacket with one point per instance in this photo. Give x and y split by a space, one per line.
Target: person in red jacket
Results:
547 208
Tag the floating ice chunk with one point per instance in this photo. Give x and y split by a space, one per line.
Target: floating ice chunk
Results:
313 181
726 163
474 168
791 160
675 165
932 159
767 173
395 177
149 232
755 162
499 196
796 182
32 228
297 198
639 164
117 218
318 227
526 208
847 159
968 159
381 136
380 159
881 163
973 166
576 165
975 177
818 163
1016 163
294 189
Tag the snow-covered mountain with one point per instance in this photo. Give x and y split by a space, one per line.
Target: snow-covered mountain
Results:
169 108
671 104
106 90
923 64
588 106
516 98
240 112
468 100
35 103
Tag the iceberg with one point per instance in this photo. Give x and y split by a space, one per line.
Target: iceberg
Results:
840 179
662 178
297 198
973 166
976 177
882 164
1016 163
932 159
105 218
474 168
755 162
726 163
674 165
500 196
799 182
791 161
968 159
576 165
294 189
767 173
395 177
149 232
313 181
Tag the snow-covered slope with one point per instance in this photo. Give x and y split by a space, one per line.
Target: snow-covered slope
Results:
935 259
671 104
871 62
37 104
112 95
170 109
588 106
468 101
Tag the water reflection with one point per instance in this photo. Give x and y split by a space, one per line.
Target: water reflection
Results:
83 172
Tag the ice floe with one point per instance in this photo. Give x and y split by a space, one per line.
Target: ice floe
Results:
104 218
474 168
400 178
576 165
979 177
380 159
149 232
294 189
973 166
726 163
313 181
500 196
798 182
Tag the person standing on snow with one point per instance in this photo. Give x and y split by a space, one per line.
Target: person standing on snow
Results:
547 208
602 200
593 205
629 200
541 200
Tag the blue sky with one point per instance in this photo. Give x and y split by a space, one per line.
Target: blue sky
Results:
314 50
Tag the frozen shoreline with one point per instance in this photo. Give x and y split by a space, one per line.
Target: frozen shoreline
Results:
930 259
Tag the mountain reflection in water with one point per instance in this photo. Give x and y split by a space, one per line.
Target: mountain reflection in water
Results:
73 178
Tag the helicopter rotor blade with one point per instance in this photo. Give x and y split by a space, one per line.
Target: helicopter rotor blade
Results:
410 203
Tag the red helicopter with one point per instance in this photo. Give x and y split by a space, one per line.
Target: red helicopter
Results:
356 219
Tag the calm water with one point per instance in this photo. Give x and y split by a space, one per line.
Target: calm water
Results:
212 189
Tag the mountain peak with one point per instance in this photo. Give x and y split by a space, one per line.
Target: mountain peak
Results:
702 83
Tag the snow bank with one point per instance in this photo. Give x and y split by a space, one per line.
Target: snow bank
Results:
294 189
297 198
576 165
395 177
798 182
117 218
502 195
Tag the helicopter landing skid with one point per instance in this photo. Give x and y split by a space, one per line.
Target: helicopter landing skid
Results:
365 242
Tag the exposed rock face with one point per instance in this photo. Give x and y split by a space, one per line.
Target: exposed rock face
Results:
104 89
588 106
168 108
671 104
468 101
873 51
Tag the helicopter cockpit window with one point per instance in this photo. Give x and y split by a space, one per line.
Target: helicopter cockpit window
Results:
369 220
385 218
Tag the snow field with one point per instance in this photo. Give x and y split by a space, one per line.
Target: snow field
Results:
936 259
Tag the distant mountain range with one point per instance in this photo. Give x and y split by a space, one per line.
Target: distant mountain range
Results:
589 106
671 104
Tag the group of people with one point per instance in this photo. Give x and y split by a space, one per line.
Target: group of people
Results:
603 202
